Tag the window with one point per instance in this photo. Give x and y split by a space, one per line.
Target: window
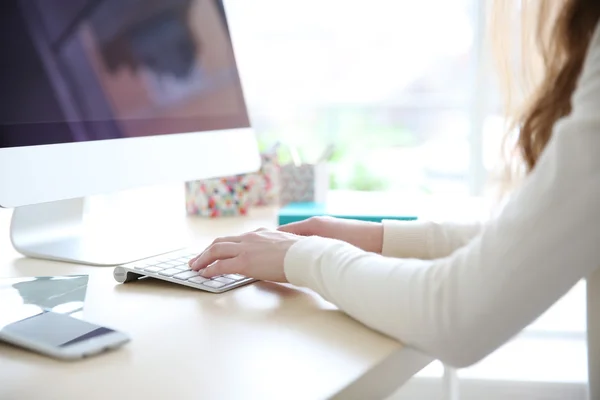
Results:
390 83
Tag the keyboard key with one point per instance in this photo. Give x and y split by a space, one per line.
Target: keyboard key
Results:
153 269
197 279
214 284
173 263
140 265
184 276
184 267
169 272
224 279
235 277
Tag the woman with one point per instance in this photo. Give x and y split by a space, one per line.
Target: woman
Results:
459 292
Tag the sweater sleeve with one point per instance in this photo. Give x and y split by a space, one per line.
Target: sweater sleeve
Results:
425 240
461 307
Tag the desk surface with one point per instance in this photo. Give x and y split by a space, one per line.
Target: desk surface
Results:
261 341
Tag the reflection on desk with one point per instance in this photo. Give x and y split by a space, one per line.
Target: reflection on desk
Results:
61 294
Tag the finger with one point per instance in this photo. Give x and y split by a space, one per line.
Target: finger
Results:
224 239
298 228
223 267
238 238
229 239
216 252
193 260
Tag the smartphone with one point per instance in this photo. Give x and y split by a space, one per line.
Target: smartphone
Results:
59 335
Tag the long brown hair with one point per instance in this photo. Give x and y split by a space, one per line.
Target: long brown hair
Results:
555 35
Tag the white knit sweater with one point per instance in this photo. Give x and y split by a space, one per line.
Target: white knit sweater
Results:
459 292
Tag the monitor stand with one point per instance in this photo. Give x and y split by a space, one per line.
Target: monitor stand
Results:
67 231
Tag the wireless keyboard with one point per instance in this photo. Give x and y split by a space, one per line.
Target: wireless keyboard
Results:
173 267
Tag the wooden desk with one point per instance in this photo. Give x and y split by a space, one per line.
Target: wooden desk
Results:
263 341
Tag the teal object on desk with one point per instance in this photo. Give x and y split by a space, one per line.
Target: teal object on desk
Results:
295 212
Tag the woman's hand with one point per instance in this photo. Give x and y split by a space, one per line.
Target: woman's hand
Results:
364 235
259 254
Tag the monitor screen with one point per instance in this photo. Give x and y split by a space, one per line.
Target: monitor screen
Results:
81 70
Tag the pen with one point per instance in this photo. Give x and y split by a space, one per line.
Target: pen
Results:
327 153
295 156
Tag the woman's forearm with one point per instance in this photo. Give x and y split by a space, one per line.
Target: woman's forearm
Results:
426 240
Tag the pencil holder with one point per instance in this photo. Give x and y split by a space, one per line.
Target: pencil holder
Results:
304 183
219 197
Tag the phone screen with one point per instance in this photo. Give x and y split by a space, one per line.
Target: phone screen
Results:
53 329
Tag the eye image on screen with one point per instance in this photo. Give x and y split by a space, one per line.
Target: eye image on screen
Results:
79 70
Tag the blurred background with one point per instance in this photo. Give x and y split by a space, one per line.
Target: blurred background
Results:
402 88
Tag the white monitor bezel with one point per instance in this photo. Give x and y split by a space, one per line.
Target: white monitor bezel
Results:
40 174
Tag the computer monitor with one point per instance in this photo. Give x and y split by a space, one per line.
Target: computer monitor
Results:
100 96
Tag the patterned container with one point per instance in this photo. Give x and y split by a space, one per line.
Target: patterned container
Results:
219 197
304 183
